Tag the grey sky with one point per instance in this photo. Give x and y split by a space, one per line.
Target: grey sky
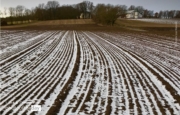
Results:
155 5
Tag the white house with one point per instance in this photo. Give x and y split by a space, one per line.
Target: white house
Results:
85 16
133 14
81 16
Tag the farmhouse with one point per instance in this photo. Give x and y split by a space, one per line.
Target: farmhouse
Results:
86 15
133 14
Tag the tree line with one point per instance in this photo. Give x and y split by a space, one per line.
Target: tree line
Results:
167 14
101 13
49 11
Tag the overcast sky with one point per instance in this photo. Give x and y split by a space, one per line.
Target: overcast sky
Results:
155 5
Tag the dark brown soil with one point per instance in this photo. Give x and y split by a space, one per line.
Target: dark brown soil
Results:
63 27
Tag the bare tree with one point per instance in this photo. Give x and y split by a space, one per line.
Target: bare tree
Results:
156 15
105 14
32 14
139 9
52 4
174 13
112 14
151 13
19 12
122 7
177 14
85 7
160 14
171 13
121 10
148 13
5 13
17 15
11 13
52 7
27 14
132 7
90 7
165 14
99 13
40 14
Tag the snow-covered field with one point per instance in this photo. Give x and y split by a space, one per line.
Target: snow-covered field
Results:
162 21
89 73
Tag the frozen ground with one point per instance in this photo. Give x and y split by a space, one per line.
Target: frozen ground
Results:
162 21
73 72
